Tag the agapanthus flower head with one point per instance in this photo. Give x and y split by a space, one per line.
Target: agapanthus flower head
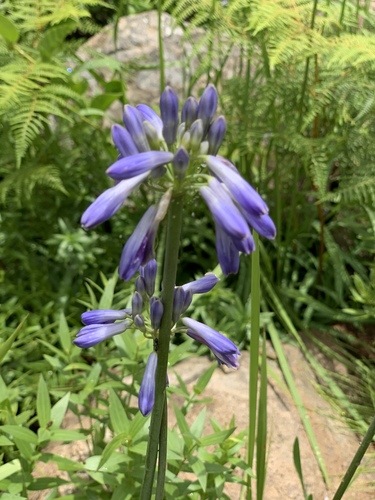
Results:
224 350
146 396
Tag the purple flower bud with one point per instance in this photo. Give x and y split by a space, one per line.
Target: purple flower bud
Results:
181 301
207 105
149 275
139 322
123 141
224 211
102 316
181 163
138 164
133 122
224 350
146 397
169 115
263 224
242 192
138 249
156 312
216 134
227 253
189 112
137 304
149 115
109 202
196 134
140 285
93 334
202 285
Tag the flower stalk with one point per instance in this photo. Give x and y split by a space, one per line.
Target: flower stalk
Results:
174 224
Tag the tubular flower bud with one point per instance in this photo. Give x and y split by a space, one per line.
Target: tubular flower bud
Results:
148 272
196 134
149 115
181 301
139 322
110 202
169 115
156 312
123 141
216 134
132 166
202 285
133 122
181 162
103 316
224 350
146 397
137 304
92 334
207 105
189 112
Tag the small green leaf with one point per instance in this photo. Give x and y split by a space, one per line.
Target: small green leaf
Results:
5 346
8 30
204 379
64 334
58 411
66 435
53 37
217 437
107 297
43 403
20 433
137 424
117 414
10 468
117 441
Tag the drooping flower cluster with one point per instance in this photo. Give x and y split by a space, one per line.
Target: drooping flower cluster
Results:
178 155
145 315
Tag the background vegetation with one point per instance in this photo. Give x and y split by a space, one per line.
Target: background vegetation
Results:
301 121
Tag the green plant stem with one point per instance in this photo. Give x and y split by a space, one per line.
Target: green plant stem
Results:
254 357
356 461
174 224
162 463
161 46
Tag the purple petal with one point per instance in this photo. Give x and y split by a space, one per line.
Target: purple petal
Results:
137 304
263 225
93 334
123 141
134 123
202 285
181 162
207 105
146 397
181 301
244 194
102 316
109 202
149 115
216 134
138 245
156 312
227 253
132 166
189 112
169 115
225 351
148 272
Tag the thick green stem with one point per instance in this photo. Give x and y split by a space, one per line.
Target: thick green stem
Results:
169 280
254 357
161 46
162 462
356 461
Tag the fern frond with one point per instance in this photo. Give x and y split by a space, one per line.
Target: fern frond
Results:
21 183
